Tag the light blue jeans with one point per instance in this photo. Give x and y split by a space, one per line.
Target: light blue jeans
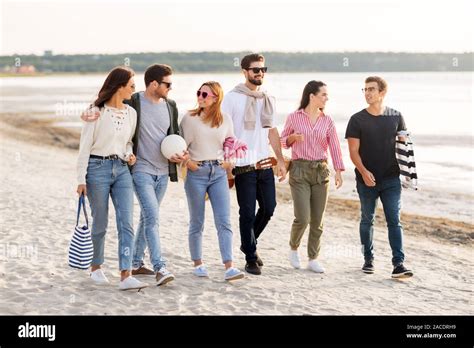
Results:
111 178
210 178
150 190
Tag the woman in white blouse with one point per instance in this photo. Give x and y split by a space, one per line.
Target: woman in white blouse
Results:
102 171
205 129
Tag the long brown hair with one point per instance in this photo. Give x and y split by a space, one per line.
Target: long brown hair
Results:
118 77
214 116
312 87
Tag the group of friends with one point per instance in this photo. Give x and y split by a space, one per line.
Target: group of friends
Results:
120 154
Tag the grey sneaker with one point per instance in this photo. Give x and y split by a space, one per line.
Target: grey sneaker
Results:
163 276
201 271
233 274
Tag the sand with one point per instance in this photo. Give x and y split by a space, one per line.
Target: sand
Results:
37 214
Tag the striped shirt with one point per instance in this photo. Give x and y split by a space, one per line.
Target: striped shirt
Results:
317 138
406 161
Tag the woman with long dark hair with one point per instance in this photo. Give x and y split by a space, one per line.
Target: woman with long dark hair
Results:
105 152
309 132
205 130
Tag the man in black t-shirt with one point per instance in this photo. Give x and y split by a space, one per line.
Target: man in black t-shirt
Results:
371 134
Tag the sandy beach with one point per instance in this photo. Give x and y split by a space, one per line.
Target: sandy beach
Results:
37 214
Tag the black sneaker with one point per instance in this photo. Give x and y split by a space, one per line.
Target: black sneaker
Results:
253 268
259 260
401 271
368 267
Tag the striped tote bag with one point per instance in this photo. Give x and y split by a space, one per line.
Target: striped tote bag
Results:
80 248
406 161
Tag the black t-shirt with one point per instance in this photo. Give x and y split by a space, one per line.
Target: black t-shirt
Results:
377 136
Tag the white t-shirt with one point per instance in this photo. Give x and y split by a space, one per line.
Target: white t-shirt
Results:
257 139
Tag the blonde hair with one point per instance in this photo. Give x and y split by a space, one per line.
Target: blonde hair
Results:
214 116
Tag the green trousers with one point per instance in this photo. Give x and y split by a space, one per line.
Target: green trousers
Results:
309 182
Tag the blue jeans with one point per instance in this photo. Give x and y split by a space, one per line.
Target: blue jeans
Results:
150 190
257 186
210 178
389 191
104 178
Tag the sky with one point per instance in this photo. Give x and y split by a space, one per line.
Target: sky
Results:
86 26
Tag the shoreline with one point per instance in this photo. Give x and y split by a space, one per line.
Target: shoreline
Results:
39 130
103 73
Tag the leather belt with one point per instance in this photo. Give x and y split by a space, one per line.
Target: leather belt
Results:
266 163
109 157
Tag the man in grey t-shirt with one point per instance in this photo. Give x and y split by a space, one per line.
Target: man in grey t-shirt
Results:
154 123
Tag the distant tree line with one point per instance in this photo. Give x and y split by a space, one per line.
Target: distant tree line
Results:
187 62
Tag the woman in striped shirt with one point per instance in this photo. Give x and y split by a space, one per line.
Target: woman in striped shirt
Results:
310 132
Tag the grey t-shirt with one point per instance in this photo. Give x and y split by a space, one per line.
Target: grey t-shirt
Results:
154 124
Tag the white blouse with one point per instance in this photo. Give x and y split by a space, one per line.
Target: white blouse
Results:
111 134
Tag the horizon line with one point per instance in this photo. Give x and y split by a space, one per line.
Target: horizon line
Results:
230 52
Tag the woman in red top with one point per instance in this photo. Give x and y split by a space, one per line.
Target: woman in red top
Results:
309 132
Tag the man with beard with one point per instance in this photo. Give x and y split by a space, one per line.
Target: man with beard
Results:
252 111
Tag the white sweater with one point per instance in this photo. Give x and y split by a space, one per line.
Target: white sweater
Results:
111 134
205 143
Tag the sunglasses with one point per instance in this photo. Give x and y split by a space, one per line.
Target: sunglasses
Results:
204 94
257 70
168 84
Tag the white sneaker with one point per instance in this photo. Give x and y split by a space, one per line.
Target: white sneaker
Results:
295 259
315 266
131 283
98 277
